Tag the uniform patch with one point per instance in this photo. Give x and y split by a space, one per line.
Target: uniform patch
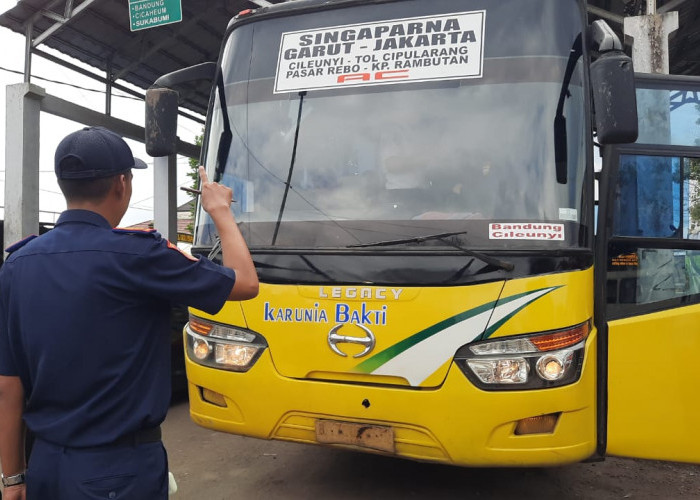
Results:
16 246
142 232
174 247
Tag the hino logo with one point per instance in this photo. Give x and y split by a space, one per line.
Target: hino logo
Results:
367 341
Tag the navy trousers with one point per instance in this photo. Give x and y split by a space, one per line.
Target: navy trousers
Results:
133 472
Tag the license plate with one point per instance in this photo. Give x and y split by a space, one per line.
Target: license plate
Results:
375 437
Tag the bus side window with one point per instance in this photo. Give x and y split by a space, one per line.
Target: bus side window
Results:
654 199
648 196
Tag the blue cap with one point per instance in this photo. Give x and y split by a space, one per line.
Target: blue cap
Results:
93 153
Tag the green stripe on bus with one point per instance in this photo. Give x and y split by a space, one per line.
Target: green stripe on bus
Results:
371 364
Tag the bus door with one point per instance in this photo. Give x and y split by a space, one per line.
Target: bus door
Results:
649 290
648 278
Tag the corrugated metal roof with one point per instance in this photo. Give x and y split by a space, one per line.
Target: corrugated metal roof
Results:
100 36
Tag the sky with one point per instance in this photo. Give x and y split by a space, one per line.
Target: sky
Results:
53 129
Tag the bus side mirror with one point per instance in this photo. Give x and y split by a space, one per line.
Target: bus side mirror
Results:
615 99
161 122
614 92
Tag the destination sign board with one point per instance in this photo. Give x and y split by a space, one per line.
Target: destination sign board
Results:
151 13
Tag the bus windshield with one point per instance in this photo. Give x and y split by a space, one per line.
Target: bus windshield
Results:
333 147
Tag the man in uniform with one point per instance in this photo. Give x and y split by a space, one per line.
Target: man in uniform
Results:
84 331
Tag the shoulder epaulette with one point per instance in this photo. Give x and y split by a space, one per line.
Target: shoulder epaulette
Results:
16 246
141 232
189 256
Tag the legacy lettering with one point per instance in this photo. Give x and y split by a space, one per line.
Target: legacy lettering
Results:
337 292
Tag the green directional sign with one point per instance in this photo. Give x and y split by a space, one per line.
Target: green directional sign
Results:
151 13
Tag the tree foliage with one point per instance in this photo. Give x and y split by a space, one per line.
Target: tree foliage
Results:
694 175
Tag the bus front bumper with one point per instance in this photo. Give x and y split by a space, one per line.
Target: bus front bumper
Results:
455 423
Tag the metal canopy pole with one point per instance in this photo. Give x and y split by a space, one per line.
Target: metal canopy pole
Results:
604 14
28 52
651 7
108 89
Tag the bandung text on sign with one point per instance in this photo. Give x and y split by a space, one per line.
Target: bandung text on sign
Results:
397 51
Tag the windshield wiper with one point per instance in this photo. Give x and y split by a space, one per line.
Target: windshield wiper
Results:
503 264
288 184
560 140
417 239
215 249
507 266
226 135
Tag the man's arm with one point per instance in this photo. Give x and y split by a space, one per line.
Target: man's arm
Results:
216 201
12 433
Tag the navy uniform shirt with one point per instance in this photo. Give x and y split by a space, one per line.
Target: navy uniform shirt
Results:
84 322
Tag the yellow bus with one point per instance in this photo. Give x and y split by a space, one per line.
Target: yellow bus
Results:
416 183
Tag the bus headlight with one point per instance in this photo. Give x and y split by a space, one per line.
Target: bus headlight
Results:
534 361
554 366
234 355
222 346
500 371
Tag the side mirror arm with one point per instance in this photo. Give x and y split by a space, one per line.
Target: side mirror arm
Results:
203 71
162 107
602 38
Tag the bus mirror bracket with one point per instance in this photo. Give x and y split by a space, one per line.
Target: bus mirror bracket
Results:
612 82
162 107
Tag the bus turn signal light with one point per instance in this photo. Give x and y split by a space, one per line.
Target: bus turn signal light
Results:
213 397
199 326
541 424
561 339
